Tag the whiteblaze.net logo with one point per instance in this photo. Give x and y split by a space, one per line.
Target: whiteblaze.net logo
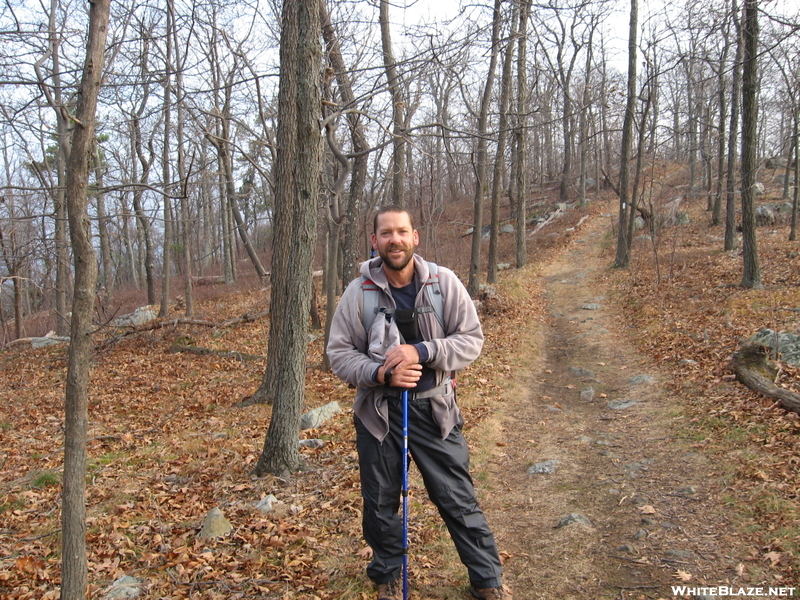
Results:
721 591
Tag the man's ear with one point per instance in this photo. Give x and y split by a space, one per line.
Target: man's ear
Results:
374 240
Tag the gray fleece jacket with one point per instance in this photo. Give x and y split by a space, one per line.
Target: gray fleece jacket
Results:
355 354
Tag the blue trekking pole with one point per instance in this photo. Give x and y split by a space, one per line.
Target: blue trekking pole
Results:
405 494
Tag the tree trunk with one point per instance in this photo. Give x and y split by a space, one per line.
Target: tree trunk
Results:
522 137
623 255
474 283
500 156
751 273
355 209
796 197
74 568
281 451
733 138
398 132
284 178
165 166
107 279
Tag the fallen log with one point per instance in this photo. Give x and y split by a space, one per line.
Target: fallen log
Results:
751 365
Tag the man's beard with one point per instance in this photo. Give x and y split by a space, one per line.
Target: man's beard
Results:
403 261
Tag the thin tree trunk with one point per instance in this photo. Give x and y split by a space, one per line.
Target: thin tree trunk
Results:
500 156
623 256
521 135
733 138
165 166
751 272
74 570
474 283
394 85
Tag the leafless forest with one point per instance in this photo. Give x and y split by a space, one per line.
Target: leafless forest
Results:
489 104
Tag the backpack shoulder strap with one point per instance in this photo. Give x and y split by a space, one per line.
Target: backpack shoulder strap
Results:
370 308
434 292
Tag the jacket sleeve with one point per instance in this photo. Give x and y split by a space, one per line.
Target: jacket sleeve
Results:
347 343
463 340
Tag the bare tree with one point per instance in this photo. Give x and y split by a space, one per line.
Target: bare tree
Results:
521 137
751 272
481 159
398 120
623 256
74 568
300 36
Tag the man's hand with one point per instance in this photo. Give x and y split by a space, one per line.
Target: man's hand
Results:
404 353
404 362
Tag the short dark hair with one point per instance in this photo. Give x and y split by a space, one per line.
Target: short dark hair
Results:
391 208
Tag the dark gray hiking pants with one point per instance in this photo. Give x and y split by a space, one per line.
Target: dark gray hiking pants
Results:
444 465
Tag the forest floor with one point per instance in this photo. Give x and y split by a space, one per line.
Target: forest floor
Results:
684 476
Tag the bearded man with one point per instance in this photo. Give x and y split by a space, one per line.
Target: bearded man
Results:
397 341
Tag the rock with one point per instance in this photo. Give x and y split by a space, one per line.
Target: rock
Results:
591 306
315 444
640 534
758 188
574 518
669 525
764 216
215 525
543 468
689 490
503 266
141 315
638 223
648 522
587 394
580 372
626 548
682 218
621 404
640 379
585 439
124 588
682 555
268 503
787 344
552 408
508 228
316 417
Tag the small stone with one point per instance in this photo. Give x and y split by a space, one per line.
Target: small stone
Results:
640 534
591 306
614 491
669 525
640 379
627 548
124 588
581 372
552 408
585 439
648 522
316 417
689 489
215 525
587 394
683 555
544 468
315 443
621 404
574 518
267 503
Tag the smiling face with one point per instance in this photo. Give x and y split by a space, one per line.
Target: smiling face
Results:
395 239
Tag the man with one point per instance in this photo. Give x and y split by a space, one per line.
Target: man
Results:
384 354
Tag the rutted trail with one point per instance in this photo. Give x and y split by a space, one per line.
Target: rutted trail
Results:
601 412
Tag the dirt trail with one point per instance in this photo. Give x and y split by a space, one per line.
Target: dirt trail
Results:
654 502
